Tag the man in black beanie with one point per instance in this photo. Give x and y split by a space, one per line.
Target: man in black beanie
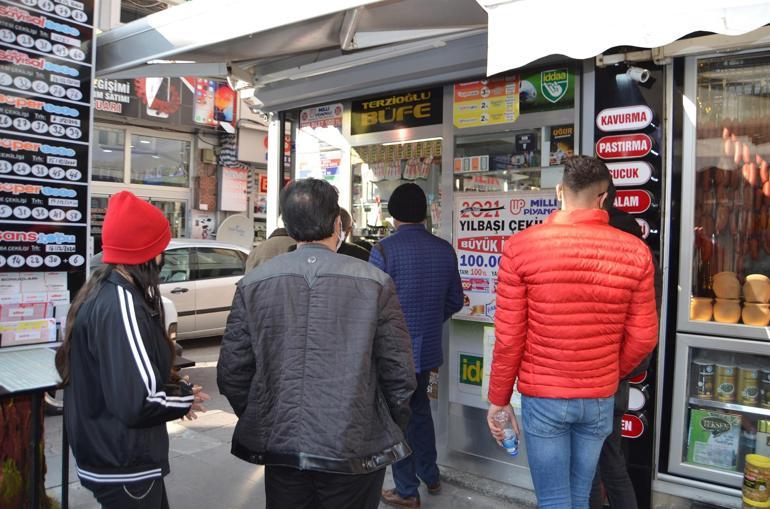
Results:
424 268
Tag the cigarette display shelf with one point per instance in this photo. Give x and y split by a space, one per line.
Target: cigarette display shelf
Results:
733 407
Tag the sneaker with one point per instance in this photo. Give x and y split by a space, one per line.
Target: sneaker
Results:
393 499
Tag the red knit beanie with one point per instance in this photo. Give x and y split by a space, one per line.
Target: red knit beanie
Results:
134 232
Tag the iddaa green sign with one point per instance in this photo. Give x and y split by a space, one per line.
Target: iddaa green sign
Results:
471 369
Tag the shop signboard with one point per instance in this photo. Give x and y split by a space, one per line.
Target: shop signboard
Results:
546 89
629 138
413 108
482 224
624 118
486 102
471 371
630 173
624 146
182 102
329 115
633 201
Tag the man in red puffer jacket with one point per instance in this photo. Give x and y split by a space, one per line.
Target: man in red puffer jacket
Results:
575 314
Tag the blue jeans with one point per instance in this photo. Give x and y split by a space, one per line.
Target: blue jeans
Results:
564 438
421 437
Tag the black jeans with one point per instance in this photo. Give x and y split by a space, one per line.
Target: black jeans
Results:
289 488
150 494
612 470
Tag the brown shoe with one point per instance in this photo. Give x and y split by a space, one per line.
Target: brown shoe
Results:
393 499
434 489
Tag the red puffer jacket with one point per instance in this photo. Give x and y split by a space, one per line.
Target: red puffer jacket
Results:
575 309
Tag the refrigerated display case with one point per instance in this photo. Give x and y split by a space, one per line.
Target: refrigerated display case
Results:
724 393
722 352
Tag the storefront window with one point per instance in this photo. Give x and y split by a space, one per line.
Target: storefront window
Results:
379 169
108 159
516 160
176 213
160 161
732 192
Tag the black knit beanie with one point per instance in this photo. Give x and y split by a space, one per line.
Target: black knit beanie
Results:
408 204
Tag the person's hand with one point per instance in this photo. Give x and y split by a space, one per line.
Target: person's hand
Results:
197 406
497 431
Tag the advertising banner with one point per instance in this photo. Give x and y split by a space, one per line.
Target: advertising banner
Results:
46 53
482 223
486 102
321 116
234 190
397 111
26 113
27 28
547 89
24 70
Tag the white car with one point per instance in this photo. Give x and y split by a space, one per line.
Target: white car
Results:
199 277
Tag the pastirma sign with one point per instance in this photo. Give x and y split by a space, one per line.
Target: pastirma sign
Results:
397 111
623 146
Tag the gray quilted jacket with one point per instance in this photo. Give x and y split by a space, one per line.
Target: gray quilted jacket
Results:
316 362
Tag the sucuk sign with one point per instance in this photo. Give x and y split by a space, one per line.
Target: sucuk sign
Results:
632 426
624 118
635 201
624 146
630 173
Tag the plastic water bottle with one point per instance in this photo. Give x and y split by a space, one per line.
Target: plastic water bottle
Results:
510 440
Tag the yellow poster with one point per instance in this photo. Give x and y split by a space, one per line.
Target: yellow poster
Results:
486 102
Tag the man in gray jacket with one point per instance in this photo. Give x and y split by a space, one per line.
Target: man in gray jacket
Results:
316 362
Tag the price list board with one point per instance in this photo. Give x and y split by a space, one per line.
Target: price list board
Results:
46 71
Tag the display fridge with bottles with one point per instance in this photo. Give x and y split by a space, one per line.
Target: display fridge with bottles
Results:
721 393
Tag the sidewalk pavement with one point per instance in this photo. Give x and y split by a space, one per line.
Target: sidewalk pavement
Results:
204 475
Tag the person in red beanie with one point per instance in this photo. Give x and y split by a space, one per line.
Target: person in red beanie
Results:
115 364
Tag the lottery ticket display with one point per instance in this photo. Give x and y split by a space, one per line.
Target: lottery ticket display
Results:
46 70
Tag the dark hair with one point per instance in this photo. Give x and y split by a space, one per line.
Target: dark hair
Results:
346 219
145 278
609 202
309 209
582 172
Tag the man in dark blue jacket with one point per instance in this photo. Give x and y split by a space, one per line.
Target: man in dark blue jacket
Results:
424 268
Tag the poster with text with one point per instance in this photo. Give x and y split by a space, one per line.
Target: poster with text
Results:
482 223
234 190
486 102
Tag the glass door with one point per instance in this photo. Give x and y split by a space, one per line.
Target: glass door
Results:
725 259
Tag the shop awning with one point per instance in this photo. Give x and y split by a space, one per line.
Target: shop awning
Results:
188 32
297 39
522 31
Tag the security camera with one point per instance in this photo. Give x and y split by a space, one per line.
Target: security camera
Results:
638 74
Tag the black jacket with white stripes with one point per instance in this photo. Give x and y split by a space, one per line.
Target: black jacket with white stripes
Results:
118 399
